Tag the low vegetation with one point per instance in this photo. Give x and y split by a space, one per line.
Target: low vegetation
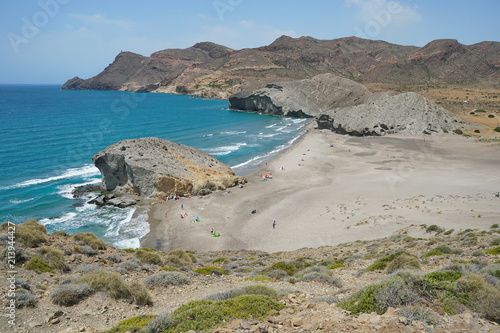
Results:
448 272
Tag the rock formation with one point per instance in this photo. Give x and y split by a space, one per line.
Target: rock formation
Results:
347 107
408 112
155 167
302 98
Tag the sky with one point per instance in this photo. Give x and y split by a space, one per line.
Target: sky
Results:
51 41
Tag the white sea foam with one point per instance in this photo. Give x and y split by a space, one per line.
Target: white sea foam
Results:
258 159
61 219
233 132
67 190
128 232
224 150
20 201
85 171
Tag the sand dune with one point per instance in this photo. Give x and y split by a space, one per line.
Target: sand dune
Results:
337 189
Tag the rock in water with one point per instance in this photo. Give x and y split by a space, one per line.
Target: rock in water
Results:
156 167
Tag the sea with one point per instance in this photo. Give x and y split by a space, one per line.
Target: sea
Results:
48 136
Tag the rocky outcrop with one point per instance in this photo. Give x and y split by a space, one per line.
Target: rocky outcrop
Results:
347 107
408 112
302 98
112 200
155 167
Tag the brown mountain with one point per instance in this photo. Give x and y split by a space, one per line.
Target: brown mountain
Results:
213 70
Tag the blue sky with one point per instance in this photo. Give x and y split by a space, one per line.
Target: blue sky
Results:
50 41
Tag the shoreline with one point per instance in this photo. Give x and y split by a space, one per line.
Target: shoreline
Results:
336 189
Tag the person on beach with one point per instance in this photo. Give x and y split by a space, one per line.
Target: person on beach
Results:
274 224
182 206
212 231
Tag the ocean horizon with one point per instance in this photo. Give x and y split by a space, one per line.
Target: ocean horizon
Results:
49 135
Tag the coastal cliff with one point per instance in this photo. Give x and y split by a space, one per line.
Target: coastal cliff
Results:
347 107
302 98
211 70
153 167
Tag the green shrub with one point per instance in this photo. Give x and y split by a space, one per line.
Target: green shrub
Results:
496 241
220 261
441 279
494 226
448 232
169 269
255 290
208 270
497 129
491 116
434 252
206 315
71 294
113 284
134 324
480 110
395 293
88 238
336 264
420 313
494 251
60 233
260 278
362 301
486 302
31 233
403 261
140 294
39 265
178 258
166 279
158 324
458 131
55 259
149 257
434 228
381 263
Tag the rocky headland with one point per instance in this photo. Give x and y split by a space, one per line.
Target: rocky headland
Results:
347 107
153 167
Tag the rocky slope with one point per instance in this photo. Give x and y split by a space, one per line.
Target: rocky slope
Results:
347 107
51 270
408 112
156 167
213 70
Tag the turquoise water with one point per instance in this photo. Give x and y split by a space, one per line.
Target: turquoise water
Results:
48 136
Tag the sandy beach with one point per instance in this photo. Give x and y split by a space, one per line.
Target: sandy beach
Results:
330 189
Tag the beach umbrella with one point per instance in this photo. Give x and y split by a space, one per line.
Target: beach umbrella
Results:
216 234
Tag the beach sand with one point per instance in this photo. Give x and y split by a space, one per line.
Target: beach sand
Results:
336 189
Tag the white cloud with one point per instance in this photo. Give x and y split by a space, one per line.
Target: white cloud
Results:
100 19
384 19
385 10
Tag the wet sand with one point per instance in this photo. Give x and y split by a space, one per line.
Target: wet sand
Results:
329 189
